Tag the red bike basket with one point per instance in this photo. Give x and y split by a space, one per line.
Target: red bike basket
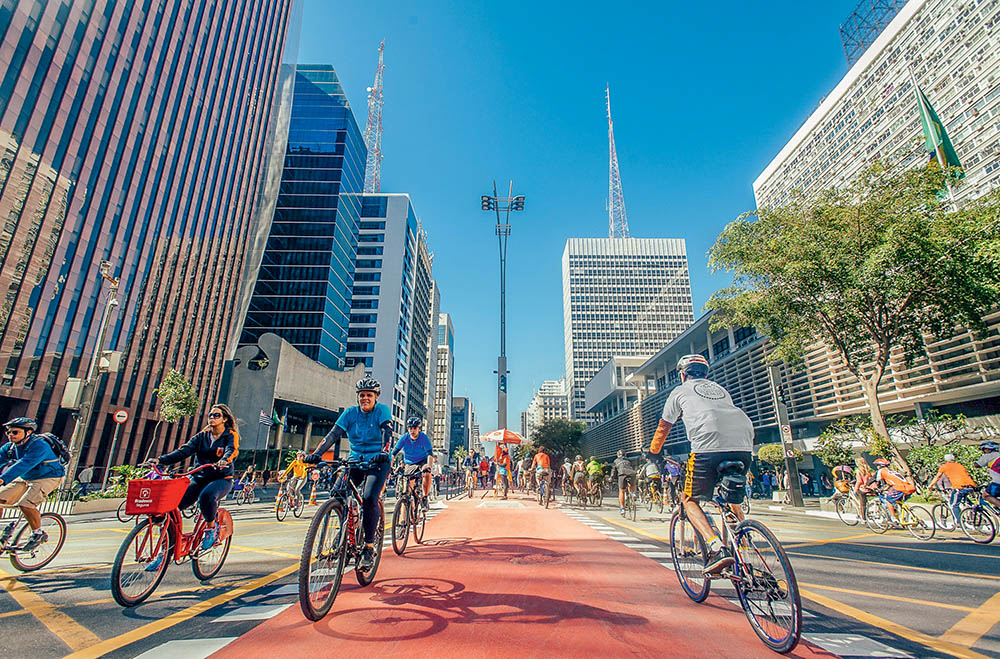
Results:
154 497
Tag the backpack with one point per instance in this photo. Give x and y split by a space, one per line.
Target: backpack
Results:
57 446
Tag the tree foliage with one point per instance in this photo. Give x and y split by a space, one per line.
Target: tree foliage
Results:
925 459
834 448
560 437
178 397
459 454
935 429
869 269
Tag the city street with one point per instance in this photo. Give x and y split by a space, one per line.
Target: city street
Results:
509 578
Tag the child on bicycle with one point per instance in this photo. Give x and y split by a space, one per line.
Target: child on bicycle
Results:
35 473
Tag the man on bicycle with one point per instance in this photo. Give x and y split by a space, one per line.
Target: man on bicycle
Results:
417 452
990 459
956 478
595 474
368 428
718 432
650 473
579 473
899 489
35 473
623 469
298 469
566 474
525 471
543 468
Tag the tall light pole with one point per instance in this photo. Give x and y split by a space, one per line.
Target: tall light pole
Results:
503 205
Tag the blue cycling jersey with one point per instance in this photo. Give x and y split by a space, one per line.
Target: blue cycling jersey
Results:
414 450
364 430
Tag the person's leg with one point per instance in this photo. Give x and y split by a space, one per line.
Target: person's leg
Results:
210 496
374 480
33 516
955 498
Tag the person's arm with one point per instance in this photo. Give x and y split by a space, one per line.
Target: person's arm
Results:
386 435
399 446
660 436
334 436
232 449
183 453
33 456
933 482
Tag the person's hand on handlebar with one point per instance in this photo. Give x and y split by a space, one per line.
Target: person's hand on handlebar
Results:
222 464
312 459
381 459
151 462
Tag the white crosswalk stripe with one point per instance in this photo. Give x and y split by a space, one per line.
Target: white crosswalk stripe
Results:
254 612
191 648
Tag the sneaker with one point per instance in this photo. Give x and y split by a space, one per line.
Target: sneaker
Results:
621 511
717 561
425 504
7 532
367 560
154 565
37 538
209 538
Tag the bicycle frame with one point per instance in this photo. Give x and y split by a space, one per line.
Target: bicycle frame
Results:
175 525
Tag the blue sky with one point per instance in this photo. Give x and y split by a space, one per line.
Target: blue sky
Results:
703 97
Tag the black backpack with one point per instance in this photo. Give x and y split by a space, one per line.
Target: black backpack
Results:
57 446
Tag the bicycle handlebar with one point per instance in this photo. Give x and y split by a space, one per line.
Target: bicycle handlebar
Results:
162 474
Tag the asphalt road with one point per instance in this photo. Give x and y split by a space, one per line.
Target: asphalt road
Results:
865 595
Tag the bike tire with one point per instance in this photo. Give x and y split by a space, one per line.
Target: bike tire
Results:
300 504
419 524
688 552
548 494
773 586
844 513
144 551
659 504
941 513
365 577
633 508
400 526
877 517
327 527
54 525
205 568
978 525
649 502
919 522
121 515
189 512
745 505
281 508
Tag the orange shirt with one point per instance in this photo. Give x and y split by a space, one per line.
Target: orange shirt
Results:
895 480
542 460
956 475
503 461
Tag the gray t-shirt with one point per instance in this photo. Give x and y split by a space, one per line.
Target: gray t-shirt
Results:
714 424
988 459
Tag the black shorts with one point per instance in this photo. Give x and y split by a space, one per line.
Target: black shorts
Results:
702 473
625 479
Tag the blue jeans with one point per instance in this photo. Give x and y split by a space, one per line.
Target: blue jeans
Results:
207 493
955 499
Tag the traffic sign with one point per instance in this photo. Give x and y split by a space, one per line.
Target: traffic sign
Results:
121 416
790 453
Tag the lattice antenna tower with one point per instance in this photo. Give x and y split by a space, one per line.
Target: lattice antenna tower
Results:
373 130
865 23
617 221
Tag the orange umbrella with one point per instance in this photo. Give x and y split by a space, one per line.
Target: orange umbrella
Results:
502 436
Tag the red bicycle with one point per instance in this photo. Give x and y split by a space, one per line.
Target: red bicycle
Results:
159 537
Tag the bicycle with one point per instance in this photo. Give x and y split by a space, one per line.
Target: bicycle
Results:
629 511
596 494
470 483
408 513
246 495
544 490
654 497
978 518
917 521
848 505
336 536
160 536
54 527
769 599
288 499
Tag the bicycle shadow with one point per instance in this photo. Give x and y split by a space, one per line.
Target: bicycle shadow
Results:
516 550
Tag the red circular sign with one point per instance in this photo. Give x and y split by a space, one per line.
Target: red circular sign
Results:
121 416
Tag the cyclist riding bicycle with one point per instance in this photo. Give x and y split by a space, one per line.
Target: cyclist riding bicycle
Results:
417 452
898 488
217 445
595 474
298 469
991 461
650 472
524 471
368 428
543 467
503 468
35 473
718 432
956 478
579 472
566 473
623 469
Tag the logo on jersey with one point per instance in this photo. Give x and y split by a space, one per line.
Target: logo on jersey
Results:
709 390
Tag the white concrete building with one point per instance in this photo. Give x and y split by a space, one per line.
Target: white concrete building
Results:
551 401
444 384
621 296
953 50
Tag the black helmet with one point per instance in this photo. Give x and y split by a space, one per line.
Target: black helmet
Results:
368 384
413 422
23 423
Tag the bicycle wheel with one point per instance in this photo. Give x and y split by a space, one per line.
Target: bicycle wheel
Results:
299 504
365 577
206 564
877 517
943 519
400 525
687 548
978 525
321 567
419 522
844 512
633 507
281 508
134 575
919 522
745 506
548 494
54 527
767 589
649 501
121 515
659 502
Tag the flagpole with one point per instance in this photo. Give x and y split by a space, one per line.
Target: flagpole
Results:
925 112
255 444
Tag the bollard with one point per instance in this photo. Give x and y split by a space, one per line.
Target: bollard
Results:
312 495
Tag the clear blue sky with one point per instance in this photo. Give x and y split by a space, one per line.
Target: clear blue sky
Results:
703 97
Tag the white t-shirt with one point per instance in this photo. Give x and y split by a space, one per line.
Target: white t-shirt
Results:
714 424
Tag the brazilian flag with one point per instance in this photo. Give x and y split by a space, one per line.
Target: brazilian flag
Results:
935 137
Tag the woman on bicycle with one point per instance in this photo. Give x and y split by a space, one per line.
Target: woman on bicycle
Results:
298 470
216 446
863 476
368 428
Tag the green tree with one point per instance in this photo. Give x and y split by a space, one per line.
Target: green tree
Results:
178 399
869 269
934 429
560 437
774 455
459 455
834 445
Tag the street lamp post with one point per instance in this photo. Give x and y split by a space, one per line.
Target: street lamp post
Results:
505 205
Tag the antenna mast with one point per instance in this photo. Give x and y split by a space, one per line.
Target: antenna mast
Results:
617 222
373 130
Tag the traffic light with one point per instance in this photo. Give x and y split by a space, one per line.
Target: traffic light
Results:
503 383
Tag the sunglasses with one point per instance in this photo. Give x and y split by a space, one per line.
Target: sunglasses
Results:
215 415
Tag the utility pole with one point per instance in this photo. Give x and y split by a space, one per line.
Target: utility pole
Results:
785 432
506 205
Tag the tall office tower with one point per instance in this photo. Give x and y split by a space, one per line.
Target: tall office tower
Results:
621 296
421 331
430 386
953 50
381 327
473 427
444 387
141 134
551 401
461 424
303 287
524 424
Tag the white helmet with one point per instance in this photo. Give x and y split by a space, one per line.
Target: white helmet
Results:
695 366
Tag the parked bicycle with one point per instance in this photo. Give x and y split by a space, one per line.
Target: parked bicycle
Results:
288 499
408 513
33 558
765 583
159 538
336 537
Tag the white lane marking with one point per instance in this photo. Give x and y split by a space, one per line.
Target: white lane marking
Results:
254 612
191 648
855 645
638 545
287 589
669 566
656 554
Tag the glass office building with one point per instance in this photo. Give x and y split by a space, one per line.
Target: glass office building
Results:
140 134
304 285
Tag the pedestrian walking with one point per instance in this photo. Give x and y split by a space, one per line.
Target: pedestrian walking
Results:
85 478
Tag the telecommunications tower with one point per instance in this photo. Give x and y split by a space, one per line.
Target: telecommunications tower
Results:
373 130
617 222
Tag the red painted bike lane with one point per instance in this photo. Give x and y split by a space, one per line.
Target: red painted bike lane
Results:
518 581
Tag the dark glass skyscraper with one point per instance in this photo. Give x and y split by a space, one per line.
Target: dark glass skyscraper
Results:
303 289
138 133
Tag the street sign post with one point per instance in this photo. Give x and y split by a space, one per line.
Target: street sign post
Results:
785 431
120 417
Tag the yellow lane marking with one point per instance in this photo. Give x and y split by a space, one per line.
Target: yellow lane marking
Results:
895 598
69 631
814 543
625 525
898 566
9 614
936 644
112 644
89 549
261 550
972 627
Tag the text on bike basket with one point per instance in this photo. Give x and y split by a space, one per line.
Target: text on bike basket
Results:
154 497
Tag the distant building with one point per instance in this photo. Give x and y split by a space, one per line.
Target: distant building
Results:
422 328
524 425
551 401
621 296
443 427
430 386
610 392
461 424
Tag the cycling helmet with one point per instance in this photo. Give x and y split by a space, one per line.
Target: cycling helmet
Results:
693 366
566 460
948 457
579 457
368 384
989 445
23 423
593 459
621 453
413 422
881 462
